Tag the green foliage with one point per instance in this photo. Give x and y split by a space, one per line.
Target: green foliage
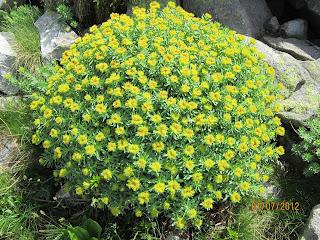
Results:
15 214
67 15
90 230
160 119
309 148
20 22
31 81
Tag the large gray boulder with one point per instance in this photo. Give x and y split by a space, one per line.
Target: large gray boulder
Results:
7 60
53 36
8 148
300 49
312 230
297 28
310 10
272 26
301 80
7 4
244 16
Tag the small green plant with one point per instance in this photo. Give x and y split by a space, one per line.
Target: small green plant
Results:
20 22
31 81
89 230
66 15
309 148
15 214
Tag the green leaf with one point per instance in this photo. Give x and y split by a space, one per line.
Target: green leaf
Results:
80 233
93 228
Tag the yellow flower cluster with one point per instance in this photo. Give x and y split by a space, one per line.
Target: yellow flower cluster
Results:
160 112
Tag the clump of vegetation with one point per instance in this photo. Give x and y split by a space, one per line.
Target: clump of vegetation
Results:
66 15
309 148
165 125
15 213
20 22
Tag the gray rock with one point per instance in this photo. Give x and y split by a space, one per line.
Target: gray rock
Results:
300 49
145 3
297 28
173 236
312 230
272 191
8 146
7 60
7 4
54 39
244 16
301 80
272 26
297 4
312 14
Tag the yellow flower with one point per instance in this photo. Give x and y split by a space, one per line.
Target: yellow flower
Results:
180 223
187 192
173 186
136 119
159 187
82 139
106 174
189 150
197 177
142 131
280 131
46 144
158 146
155 166
280 150
54 133
189 165
105 200
100 108
76 156
112 146
134 184
141 163
192 213
245 186
209 139
143 198
235 197
207 203
218 178
172 154
238 172
162 130
90 150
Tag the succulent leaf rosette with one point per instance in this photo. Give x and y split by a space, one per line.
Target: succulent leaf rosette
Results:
160 113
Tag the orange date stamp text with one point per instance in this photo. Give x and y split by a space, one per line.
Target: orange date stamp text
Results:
275 206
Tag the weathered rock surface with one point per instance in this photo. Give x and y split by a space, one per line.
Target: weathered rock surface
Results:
301 80
297 28
54 39
312 230
300 49
272 191
272 26
8 146
7 59
173 236
297 4
6 4
244 16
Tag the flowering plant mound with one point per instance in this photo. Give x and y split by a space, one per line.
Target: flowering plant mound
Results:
161 112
